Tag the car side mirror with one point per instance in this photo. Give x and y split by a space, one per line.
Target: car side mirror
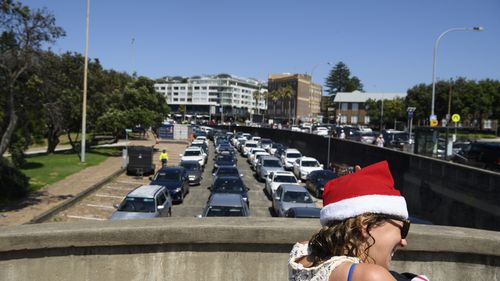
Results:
321 165
115 206
160 207
299 181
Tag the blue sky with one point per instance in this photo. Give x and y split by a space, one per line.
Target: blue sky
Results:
387 44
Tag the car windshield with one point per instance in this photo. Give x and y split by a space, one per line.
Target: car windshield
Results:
326 176
293 155
297 197
192 153
251 145
225 158
190 166
224 211
265 141
310 164
173 175
401 137
137 204
287 179
227 172
272 163
227 185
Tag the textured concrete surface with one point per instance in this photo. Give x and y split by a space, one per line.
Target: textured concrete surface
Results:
217 249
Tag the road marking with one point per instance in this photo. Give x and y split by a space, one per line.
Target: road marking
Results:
109 196
86 218
101 206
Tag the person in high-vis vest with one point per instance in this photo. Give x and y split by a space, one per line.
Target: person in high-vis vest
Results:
164 158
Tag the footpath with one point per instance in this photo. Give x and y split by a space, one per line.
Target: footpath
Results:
59 193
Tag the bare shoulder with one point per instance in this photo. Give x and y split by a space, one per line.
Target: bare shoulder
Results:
362 272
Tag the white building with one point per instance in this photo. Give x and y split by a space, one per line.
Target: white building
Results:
212 94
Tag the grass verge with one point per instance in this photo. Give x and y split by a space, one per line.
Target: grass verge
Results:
44 170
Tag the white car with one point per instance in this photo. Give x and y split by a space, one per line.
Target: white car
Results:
194 153
201 138
275 179
257 139
289 157
251 154
248 145
256 157
304 165
321 131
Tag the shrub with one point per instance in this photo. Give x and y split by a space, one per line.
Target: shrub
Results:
13 183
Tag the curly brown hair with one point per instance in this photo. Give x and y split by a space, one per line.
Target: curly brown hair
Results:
345 238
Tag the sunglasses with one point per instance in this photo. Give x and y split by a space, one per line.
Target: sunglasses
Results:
404 229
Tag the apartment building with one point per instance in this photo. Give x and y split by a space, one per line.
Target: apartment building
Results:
304 106
220 95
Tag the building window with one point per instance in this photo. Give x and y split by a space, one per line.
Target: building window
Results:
176 99
176 88
367 119
196 87
343 106
176 94
354 106
343 119
354 119
487 124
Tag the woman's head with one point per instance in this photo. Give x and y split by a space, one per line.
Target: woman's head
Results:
363 216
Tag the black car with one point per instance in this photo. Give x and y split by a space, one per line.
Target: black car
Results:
193 170
230 184
224 160
481 154
175 179
222 171
302 212
316 180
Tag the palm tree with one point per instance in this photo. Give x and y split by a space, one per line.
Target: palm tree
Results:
288 92
275 95
256 95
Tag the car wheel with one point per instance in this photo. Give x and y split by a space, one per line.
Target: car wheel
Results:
182 197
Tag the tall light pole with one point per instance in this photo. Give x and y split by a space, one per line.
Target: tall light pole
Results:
311 88
85 70
478 28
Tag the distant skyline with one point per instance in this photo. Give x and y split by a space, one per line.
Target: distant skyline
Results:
388 45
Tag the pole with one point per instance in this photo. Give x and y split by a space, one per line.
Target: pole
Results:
85 70
328 156
435 56
381 114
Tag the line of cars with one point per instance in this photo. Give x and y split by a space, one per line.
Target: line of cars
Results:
282 169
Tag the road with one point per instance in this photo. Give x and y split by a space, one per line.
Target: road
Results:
99 204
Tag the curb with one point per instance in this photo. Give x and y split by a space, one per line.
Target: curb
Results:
70 202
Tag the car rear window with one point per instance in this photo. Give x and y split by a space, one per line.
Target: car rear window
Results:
216 211
137 204
297 197
293 155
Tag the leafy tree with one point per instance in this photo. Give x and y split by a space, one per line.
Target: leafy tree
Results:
340 80
394 110
23 33
288 93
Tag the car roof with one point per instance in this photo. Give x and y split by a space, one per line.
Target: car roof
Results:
305 158
145 191
292 150
284 173
189 162
196 148
292 187
270 157
226 199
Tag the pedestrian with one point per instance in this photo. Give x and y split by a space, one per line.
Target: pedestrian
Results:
164 158
342 134
364 221
380 141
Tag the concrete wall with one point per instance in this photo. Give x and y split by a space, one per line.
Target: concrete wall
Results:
217 249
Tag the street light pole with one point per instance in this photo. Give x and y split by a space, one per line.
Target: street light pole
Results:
85 70
479 28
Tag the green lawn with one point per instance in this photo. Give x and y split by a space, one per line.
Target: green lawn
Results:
47 169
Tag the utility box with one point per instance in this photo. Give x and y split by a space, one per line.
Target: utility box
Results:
140 160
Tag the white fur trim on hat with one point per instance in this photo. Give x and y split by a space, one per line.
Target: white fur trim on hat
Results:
351 207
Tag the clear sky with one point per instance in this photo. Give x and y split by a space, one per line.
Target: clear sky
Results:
387 44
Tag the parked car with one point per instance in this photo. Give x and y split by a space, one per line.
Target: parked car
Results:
289 157
316 181
257 156
483 154
321 131
247 146
195 154
146 201
395 139
265 143
289 196
194 171
230 184
224 160
304 165
226 205
367 137
251 153
275 179
302 212
266 165
274 146
226 171
175 179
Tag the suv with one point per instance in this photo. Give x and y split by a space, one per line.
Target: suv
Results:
146 201
175 179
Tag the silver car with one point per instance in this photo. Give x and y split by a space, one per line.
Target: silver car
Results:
146 201
290 196
266 165
226 205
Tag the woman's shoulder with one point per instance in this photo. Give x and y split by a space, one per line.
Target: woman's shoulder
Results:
362 272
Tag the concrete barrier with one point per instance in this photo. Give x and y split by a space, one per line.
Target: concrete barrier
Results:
217 249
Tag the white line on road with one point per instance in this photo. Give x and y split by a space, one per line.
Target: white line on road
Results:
109 196
86 218
101 206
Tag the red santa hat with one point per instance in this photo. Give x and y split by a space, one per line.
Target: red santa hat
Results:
370 190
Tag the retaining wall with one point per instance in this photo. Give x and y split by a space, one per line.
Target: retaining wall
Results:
217 249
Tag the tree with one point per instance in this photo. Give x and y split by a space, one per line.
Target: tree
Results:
23 33
394 110
288 93
339 80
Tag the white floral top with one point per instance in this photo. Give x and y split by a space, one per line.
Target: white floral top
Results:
297 272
